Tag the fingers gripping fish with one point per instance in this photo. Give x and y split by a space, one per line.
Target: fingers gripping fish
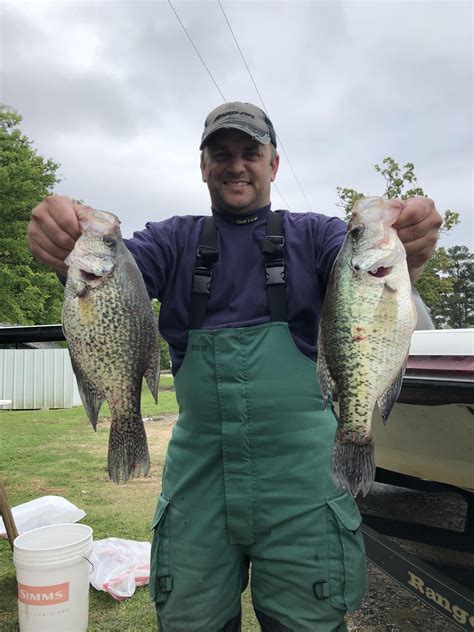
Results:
364 338
113 338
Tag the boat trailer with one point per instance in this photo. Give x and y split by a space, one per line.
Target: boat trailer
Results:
435 587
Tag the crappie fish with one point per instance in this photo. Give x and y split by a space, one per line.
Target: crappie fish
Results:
112 336
364 338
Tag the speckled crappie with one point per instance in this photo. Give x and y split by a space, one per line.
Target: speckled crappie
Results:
112 336
364 338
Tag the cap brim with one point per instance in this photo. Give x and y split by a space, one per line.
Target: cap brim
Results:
262 137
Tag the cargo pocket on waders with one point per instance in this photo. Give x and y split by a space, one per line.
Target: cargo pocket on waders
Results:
161 581
347 565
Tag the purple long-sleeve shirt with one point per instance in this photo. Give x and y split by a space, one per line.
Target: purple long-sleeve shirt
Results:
166 255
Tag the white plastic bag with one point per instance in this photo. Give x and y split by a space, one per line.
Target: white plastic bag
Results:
42 512
120 566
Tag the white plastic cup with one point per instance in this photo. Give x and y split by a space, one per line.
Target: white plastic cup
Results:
52 570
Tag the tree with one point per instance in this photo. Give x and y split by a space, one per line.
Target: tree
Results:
29 292
447 287
165 358
459 304
436 284
446 282
396 180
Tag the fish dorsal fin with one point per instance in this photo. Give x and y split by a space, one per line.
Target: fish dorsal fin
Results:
91 399
152 374
326 382
390 395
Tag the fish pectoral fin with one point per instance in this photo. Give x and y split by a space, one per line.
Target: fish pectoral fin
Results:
91 400
388 398
326 382
334 412
152 374
390 284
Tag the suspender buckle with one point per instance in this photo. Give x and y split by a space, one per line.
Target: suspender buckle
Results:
208 255
272 246
275 272
201 281
278 240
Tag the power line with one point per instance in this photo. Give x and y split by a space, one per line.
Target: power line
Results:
197 52
215 82
280 194
242 55
262 102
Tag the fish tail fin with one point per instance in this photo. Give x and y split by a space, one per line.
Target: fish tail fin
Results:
353 466
128 450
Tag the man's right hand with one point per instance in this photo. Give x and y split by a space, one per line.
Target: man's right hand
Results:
53 231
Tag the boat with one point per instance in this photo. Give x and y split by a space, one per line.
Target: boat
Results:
430 432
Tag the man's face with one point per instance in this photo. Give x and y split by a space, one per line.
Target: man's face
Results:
238 171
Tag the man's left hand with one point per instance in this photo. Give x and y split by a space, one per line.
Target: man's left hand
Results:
418 228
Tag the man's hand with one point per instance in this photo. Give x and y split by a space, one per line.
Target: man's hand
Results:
54 230
418 228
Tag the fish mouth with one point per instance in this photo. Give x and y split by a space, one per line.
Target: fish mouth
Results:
380 272
89 276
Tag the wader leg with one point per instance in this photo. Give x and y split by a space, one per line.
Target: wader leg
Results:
269 624
233 625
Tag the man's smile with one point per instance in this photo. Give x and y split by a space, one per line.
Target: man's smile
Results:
236 183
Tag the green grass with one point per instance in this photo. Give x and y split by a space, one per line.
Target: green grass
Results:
46 452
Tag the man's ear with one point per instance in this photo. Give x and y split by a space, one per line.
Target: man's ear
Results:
275 165
203 166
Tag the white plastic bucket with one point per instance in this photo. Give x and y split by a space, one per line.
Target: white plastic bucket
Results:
52 570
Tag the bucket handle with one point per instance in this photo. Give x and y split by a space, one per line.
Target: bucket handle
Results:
86 558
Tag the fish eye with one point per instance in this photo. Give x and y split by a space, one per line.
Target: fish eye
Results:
109 241
357 230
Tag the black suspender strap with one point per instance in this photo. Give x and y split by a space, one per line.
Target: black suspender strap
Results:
207 256
272 249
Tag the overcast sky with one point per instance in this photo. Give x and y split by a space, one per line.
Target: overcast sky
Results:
115 93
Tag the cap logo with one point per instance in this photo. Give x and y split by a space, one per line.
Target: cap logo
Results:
245 117
231 113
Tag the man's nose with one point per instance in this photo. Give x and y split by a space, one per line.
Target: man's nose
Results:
237 164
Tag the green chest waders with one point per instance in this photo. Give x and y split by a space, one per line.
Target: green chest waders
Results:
247 478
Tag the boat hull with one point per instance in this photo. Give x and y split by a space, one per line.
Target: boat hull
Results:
432 442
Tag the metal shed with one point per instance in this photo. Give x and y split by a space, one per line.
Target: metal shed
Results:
37 378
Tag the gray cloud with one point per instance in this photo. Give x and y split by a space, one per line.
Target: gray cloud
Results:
117 95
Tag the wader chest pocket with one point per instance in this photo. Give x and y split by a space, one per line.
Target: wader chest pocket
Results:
161 581
346 552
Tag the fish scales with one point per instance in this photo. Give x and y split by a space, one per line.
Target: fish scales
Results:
366 325
112 337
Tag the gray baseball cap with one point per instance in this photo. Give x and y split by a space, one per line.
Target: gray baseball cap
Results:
243 116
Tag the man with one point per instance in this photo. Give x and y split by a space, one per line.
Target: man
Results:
247 476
